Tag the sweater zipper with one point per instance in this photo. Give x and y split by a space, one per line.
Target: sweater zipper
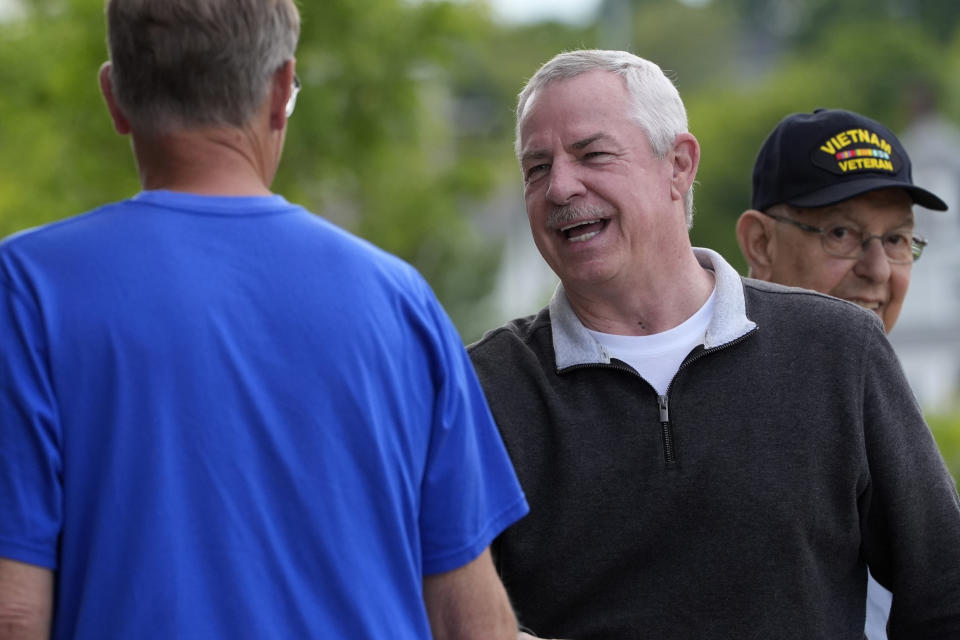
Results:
666 431
666 428
663 402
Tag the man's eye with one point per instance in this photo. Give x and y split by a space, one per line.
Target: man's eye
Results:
839 233
897 239
536 170
593 155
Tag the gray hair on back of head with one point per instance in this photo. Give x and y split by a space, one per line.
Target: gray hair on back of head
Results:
192 63
656 104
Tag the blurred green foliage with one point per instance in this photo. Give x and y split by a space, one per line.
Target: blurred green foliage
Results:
946 430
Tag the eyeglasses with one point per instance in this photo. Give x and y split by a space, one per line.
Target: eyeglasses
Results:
295 89
849 242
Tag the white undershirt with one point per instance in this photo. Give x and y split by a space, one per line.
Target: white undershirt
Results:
657 357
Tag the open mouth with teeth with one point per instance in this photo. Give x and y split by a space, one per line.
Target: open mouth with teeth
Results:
872 306
583 230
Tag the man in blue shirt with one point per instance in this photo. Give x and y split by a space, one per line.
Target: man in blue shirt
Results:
221 416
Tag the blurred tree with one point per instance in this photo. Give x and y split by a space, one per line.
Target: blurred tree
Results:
493 69
58 155
946 429
694 45
802 22
950 96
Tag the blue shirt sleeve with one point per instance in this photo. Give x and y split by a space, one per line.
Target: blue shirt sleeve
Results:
30 488
470 492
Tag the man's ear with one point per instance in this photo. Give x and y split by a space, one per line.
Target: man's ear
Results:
686 159
120 122
281 88
755 237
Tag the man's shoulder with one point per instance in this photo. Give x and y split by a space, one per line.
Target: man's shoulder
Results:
82 232
779 290
769 303
519 334
513 355
51 230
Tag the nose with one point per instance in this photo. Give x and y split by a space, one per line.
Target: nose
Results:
565 182
873 264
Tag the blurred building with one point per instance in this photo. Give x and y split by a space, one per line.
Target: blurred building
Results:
927 335
11 10
524 282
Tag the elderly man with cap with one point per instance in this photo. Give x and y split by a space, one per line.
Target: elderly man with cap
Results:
825 185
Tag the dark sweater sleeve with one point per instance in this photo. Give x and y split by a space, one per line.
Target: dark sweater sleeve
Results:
910 511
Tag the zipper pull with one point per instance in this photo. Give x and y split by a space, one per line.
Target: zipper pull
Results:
666 429
664 411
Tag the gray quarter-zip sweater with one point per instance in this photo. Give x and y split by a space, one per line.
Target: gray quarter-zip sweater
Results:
787 453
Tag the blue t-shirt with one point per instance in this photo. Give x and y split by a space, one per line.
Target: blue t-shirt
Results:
227 418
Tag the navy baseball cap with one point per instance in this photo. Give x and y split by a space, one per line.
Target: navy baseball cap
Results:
821 158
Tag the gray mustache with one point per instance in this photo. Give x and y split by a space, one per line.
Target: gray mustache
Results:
569 214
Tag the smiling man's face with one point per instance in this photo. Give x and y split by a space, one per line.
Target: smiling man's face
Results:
798 258
596 195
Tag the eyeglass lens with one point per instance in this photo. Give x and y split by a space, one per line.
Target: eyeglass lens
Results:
846 242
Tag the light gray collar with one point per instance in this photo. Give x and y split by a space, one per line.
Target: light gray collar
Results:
573 344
